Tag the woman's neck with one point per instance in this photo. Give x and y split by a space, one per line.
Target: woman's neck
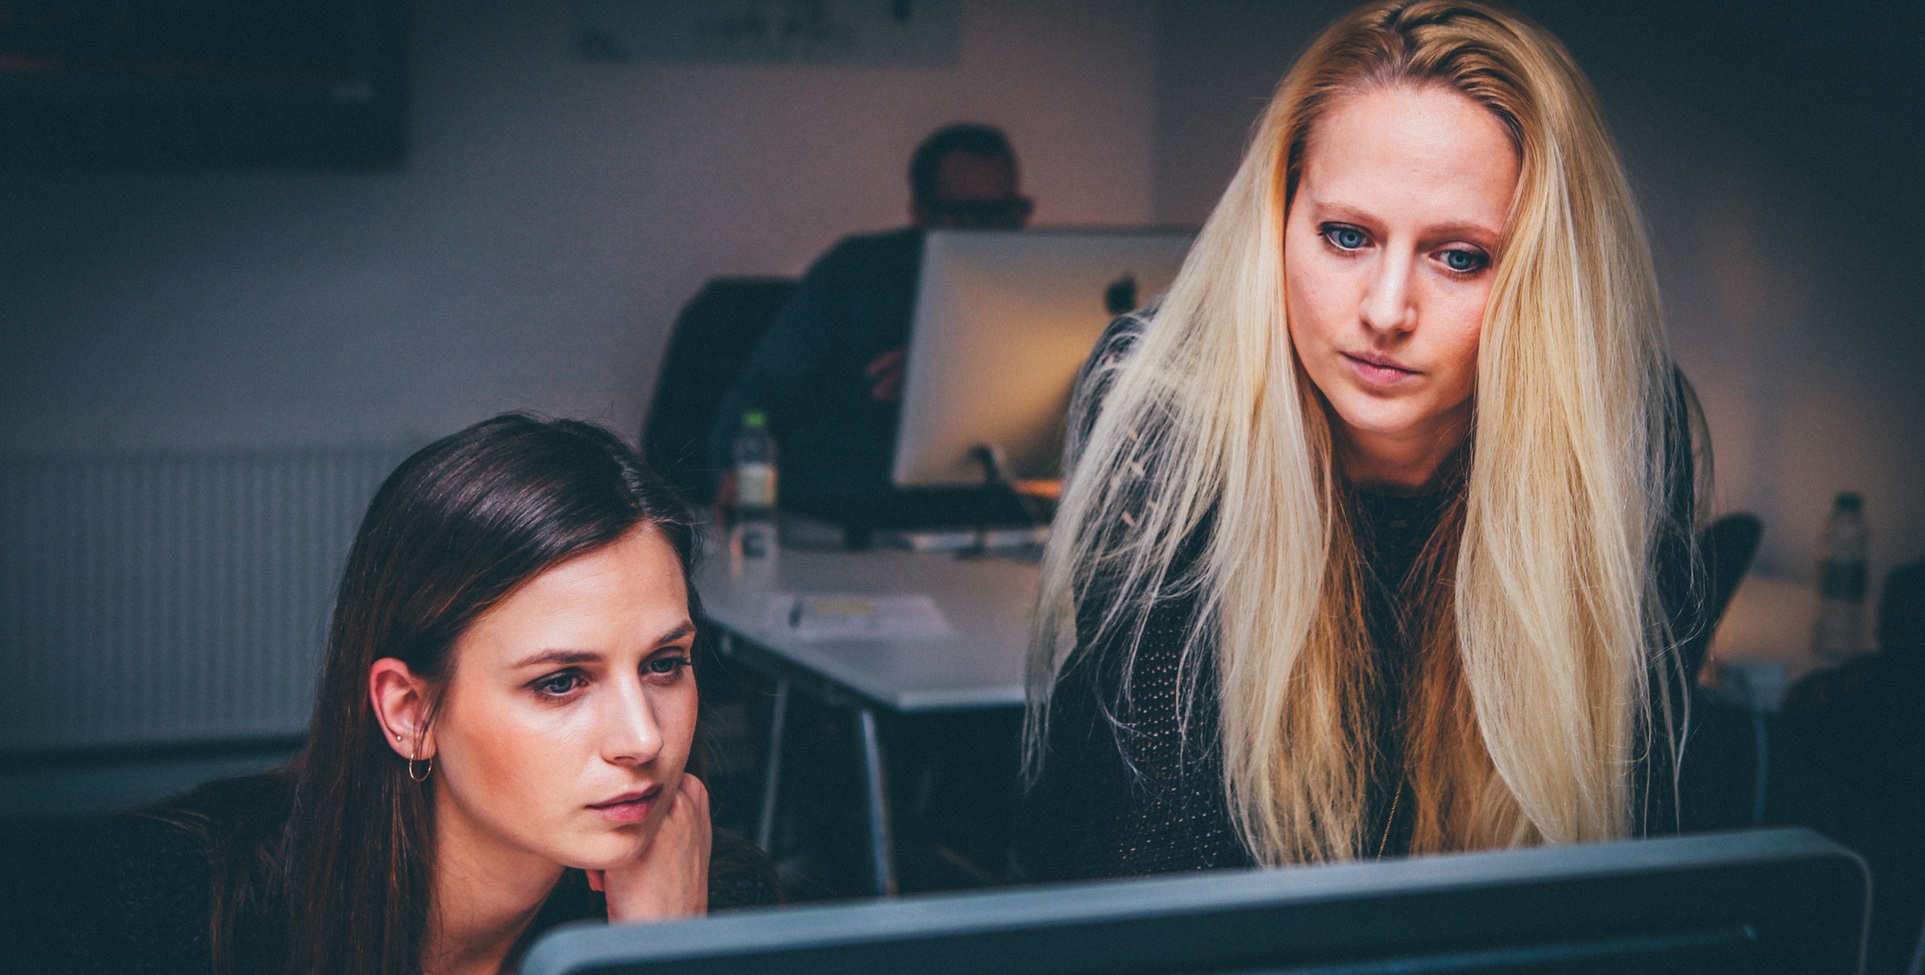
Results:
1396 465
484 898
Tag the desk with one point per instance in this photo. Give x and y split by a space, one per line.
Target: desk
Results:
1767 632
980 664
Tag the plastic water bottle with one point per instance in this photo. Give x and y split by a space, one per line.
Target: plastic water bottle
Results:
752 534
1841 581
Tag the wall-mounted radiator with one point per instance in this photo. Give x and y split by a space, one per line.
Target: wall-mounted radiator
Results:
170 597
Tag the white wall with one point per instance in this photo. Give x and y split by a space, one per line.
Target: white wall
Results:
1772 148
552 217
555 214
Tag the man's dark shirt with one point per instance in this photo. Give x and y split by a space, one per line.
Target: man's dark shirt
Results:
809 372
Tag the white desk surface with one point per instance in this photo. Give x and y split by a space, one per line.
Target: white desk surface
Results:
1770 621
988 602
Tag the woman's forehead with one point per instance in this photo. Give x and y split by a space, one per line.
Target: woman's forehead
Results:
616 598
1405 147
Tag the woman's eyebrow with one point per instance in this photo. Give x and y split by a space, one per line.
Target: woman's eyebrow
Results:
564 657
1333 210
678 631
558 657
1466 230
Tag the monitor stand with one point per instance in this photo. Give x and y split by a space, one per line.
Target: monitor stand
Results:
997 483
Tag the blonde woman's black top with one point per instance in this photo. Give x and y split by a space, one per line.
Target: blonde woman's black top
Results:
1129 783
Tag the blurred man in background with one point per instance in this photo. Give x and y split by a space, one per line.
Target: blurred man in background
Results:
828 372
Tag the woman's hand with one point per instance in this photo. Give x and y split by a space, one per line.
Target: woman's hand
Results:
671 877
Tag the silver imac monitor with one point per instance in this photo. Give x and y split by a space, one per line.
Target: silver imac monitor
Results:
1003 320
1781 902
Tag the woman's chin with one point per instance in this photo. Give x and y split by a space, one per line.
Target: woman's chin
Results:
599 862
618 846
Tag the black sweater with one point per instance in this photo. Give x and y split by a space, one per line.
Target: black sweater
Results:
1123 789
153 888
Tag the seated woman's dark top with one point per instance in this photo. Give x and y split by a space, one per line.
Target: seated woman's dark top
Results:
156 870
1125 789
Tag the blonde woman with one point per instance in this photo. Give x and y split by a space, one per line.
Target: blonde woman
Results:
1377 536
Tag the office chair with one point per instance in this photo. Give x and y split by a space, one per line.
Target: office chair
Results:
1729 762
708 346
1728 546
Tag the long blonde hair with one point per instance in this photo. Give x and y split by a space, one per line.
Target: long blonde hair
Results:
1532 705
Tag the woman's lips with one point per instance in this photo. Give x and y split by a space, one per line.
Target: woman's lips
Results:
1378 370
629 807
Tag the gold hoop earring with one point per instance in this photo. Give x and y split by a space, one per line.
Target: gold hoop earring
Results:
427 767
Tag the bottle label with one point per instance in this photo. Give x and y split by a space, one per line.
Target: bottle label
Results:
755 485
1839 579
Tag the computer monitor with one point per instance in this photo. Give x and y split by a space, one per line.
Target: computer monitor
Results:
1780 901
1003 320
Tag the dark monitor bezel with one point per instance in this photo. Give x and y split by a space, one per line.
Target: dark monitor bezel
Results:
1756 901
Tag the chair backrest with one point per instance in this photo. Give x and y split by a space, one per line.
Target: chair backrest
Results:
710 343
1728 544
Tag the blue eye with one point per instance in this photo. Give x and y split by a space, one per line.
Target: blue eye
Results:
666 665
1464 262
559 684
1345 238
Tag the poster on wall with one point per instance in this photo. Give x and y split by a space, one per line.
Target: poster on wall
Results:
920 33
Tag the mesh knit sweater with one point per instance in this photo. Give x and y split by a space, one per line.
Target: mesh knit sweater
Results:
1122 790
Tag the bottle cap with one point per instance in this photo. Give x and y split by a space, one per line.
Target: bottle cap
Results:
754 419
1848 501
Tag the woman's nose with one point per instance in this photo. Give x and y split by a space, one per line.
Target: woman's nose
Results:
630 734
1388 304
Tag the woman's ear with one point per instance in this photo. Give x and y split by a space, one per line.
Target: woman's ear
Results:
401 705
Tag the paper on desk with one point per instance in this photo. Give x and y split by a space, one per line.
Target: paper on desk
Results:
836 616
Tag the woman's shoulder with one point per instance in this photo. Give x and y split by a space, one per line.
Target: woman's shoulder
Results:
158 880
253 797
187 833
217 820
1098 374
740 874
156 869
1118 340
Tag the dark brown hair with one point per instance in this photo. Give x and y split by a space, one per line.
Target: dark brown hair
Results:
968 138
455 529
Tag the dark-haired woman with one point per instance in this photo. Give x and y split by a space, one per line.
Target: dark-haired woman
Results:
500 741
